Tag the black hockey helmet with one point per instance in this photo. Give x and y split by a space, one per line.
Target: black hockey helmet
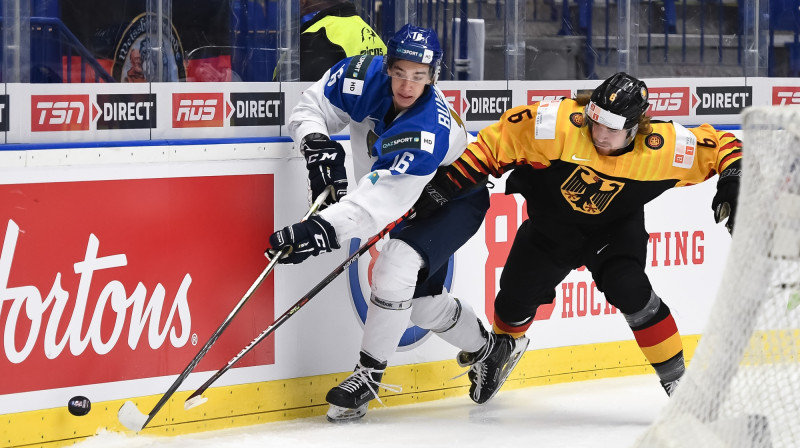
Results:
618 103
623 96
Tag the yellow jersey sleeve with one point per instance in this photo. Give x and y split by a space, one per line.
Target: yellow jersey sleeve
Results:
524 135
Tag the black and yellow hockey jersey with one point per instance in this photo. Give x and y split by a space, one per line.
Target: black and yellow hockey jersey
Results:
563 178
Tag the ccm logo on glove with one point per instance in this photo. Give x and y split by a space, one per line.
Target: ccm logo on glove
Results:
325 164
304 239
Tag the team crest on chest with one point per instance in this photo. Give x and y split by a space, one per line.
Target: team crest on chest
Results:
588 192
576 118
654 141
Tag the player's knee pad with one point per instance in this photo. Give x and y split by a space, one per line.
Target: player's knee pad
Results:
394 275
625 284
437 313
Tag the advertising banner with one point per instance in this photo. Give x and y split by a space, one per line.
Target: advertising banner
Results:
130 277
58 113
114 274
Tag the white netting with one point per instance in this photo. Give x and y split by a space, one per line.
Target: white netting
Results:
742 388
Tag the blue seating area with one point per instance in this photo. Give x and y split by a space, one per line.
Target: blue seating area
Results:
785 16
675 37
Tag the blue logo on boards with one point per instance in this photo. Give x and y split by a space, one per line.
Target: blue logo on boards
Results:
413 334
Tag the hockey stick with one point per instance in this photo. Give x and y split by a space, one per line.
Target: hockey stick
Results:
196 399
130 416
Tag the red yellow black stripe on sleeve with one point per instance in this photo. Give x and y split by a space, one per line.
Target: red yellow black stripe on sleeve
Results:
730 150
466 171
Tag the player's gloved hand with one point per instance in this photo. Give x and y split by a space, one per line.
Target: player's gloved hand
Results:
325 163
304 239
436 194
725 201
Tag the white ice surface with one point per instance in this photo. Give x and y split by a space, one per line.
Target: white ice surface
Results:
592 414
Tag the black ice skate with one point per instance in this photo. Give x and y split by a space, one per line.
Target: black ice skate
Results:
350 399
490 366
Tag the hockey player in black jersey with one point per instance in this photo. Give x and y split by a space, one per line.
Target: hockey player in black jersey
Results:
586 167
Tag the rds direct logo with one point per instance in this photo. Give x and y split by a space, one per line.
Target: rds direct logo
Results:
359 277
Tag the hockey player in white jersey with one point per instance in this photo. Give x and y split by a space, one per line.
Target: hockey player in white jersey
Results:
401 130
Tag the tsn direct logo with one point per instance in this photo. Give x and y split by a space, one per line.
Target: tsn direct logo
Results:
785 95
59 113
197 110
669 101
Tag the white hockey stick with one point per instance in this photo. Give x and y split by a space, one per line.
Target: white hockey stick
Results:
130 416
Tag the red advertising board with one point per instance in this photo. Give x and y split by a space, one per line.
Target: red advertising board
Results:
60 113
669 101
535 96
454 98
197 110
785 95
123 279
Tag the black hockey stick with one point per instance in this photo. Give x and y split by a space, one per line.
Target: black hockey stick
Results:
130 416
196 399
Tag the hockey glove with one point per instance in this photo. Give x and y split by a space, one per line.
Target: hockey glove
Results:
325 163
304 239
724 202
436 194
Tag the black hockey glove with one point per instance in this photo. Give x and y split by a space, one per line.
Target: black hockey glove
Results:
436 194
304 239
724 202
325 163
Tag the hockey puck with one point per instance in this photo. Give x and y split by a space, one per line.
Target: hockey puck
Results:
79 406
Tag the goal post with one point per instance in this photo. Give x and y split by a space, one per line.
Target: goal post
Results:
742 387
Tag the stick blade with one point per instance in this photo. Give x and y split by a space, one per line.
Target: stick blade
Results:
193 402
130 417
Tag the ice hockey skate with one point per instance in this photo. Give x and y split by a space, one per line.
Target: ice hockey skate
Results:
669 386
350 399
490 366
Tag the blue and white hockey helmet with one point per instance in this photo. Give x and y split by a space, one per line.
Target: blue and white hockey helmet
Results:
415 44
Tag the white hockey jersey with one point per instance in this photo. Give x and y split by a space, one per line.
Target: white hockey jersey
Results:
392 161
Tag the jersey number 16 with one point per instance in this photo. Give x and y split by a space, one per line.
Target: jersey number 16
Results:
402 162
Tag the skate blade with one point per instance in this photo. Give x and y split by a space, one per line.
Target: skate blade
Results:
520 346
338 414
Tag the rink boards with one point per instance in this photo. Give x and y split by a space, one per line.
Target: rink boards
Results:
117 264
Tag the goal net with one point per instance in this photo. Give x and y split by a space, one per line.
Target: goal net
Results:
742 387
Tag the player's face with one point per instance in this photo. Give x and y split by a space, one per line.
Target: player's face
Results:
606 140
408 82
